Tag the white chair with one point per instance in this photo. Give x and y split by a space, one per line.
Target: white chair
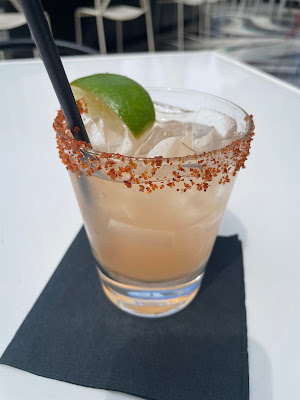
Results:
248 7
11 20
180 16
118 13
282 5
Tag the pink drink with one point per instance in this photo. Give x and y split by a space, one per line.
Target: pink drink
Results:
152 223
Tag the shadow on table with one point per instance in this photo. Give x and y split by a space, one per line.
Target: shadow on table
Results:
231 225
260 372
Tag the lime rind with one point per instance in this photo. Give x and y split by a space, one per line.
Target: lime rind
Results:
123 96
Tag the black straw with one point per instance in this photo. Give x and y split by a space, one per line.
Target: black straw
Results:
44 41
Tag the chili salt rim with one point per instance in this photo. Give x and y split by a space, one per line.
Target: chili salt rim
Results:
187 171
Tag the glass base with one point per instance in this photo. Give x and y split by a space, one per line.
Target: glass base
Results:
150 301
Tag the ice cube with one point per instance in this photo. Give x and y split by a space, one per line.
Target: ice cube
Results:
203 136
105 136
164 112
200 139
95 131
225 126
175 128
130 233
129 144
116 136
126 145
170 147
162 131
156 136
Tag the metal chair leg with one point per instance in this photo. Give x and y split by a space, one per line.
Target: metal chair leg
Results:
281 7
48 20
207 20
271 8
119 36
242 7
101 34
256 6
157 16
149 29
180 26
194 18
78 31
200 20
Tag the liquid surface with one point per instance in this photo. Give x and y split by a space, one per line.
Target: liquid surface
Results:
175 133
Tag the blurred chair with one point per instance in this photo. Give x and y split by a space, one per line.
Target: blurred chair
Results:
252 7
180 16
118 13
12 20
283 4
64 48
294 27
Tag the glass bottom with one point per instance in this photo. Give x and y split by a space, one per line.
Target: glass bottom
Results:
150 301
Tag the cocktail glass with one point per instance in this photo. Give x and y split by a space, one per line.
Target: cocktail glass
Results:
152 223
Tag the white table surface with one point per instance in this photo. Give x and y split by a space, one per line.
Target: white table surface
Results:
39 214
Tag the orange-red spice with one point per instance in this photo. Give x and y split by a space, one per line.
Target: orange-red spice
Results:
79 158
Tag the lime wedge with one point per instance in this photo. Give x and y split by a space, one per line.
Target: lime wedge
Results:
117 99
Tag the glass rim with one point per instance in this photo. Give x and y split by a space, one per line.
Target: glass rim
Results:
213 96
199 168
179 159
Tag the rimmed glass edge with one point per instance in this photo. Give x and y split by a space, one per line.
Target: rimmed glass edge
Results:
187 158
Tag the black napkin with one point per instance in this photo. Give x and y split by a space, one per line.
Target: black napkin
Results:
74 334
